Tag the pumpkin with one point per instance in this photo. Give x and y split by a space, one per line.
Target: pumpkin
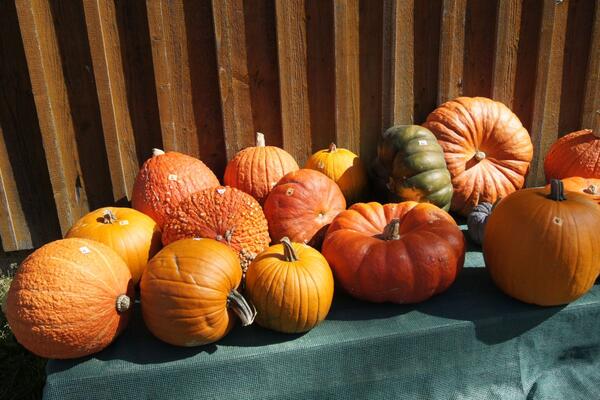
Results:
291 286
255 170
69 298
344 168
225 214
188 293
302 205
167 178
401 253
575 154
541 246
132 235
476 221
410 163
487 149
587 186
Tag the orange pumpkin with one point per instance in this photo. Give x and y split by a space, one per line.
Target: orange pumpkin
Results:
132 235
291 286
188 293
575 154
167 178
69 298
302 205
487 149
400 253
589 187
255 170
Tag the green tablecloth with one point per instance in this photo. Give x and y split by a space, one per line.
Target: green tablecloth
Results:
471 342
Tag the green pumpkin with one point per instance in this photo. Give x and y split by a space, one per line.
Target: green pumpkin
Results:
410 164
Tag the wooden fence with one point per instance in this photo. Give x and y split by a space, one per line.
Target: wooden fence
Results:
88 88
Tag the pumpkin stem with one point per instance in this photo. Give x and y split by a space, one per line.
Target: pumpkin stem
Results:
479 155
108 217
260 139
592 189
332 147
157 152
288 250
557 190
392 230
244 309
123 303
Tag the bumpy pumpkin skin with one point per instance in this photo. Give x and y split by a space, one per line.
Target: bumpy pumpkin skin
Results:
302 205
575 154
291 294
371 262
165 179
487 149
543 251
63 300
131 234
589 187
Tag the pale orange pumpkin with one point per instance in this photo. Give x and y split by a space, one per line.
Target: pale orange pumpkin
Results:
586 186
575 154
69 298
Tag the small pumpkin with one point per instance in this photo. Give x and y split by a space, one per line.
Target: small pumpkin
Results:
400 253
476 221
255 170
541 246
343 167
69 298
189 293
165 179
587 186
132 235
302 205
575 154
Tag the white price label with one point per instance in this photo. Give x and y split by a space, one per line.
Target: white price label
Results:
124 222
172 177
85 250
221 190
422 142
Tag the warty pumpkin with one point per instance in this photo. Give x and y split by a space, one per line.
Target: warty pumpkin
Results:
487 149
189 293
400 253
131 234
69 298
291 286
541 246
575 154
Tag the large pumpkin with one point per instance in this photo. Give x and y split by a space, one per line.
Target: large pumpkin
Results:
132 235
167 178
291 286
410 164
487 149
301 206
400 253
575 154
188 293
541 246
69 298
255 170
586 186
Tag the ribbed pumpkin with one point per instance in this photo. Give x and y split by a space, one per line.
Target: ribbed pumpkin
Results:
302 205
255 170
399 253
344 168
575 154
487 149
410 164
586 186
225 214
167 178
188 293
132 235
291 286
69 298
541 246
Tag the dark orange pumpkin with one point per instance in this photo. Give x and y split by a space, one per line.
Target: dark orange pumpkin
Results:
575 154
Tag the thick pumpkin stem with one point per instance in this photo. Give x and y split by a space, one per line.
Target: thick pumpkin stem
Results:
557 190
332 147
592 189
157 152
479 155
392 230
243 309
260 140
288 250
109 217
123 303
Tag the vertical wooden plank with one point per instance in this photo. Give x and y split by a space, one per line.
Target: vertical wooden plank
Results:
452 42
505 55
591 108
293 80
546 105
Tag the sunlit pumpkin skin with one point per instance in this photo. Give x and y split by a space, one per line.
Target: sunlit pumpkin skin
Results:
188 293
575 154
70 298
291 286
543 250
343 167
165 179
255 170
586 186
400 253
302 205
131 234
487 149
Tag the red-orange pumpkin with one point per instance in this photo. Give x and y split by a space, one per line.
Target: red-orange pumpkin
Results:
400 253
589 187
575 154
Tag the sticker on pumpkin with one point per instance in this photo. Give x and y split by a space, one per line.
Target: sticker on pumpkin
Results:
173 177
124 222
422 142
84 250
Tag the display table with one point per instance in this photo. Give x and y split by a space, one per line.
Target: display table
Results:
472 342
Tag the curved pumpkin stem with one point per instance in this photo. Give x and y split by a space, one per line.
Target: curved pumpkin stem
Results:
392 230
157 152
592 189
260 139
109 217
332 147
123 303
243 309
557 190
288 250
